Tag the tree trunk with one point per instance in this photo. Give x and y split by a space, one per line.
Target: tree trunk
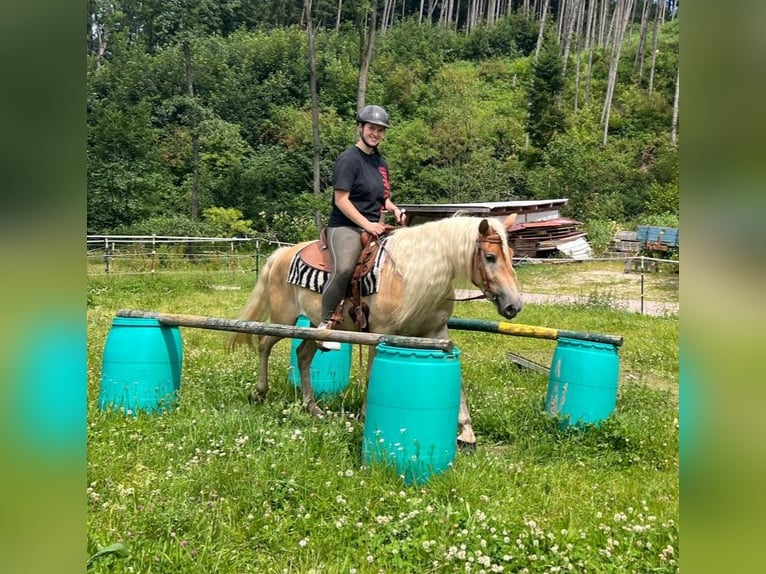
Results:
590 41
658 20
563 10
580 19
674 128
573 18
622 15
337 19
367 50
314 97
491 7
194 201
602 21
540 34
388 8
641 51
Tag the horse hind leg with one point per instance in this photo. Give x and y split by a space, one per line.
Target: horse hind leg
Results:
265 344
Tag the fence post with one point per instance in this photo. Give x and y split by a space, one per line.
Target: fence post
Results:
154 252
106 255
257 257
642 284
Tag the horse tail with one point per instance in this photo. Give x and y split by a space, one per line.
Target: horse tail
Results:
257 307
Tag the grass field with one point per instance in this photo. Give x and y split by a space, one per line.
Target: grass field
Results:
218 485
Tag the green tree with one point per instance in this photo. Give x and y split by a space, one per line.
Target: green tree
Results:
227 222
546 117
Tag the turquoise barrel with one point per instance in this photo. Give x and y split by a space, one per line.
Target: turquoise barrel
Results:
330 370
413 401
141 367
582 385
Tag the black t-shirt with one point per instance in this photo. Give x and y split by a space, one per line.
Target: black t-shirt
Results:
365 177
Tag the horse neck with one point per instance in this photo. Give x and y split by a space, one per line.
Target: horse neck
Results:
431 257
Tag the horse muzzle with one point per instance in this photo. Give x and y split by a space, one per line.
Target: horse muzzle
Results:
509 309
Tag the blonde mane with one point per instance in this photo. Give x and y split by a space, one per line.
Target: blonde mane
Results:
430 258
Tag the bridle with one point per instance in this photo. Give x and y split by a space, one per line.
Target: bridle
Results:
486 293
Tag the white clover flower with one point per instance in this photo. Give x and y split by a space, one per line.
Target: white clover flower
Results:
303 542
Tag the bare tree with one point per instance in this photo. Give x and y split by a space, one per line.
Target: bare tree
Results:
574 14
658 20
194 201
491 7
337 19
623 8
674 127
590 42
388 14
563 8
580 20
314 96
602 21
366 51
641 50
541 31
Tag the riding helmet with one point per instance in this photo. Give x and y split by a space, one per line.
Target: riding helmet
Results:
373 115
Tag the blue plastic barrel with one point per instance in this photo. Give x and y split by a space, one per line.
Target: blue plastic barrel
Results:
582 386
413 401
141 368
330 370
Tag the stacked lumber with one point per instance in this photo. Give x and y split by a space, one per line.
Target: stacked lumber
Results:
542 238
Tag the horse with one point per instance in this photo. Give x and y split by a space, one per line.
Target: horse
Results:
421 267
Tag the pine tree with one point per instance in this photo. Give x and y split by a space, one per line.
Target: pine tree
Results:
545 115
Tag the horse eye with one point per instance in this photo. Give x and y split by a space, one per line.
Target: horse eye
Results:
490 257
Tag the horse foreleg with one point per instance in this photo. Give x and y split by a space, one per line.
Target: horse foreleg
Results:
305 353
465 437
265 344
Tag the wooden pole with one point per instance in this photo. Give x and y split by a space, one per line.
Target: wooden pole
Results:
287 331
520 330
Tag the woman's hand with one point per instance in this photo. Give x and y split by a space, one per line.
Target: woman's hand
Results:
375 228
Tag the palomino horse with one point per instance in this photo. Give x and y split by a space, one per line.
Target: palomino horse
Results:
422 265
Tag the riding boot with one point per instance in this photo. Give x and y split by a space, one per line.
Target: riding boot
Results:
327 345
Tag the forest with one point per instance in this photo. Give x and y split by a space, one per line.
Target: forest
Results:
224 117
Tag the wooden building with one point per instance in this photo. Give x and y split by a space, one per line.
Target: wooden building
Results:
539 231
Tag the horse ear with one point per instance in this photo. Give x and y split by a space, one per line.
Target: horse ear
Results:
509 221
483 227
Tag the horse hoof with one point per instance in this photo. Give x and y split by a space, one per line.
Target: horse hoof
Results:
466 447
315 411
256 398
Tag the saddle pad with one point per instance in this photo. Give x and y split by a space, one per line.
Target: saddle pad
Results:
313 279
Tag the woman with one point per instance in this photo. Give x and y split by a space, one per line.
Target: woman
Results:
361 193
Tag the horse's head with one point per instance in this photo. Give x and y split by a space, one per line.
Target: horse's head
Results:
492 269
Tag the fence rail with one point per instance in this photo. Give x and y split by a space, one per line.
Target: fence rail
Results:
639 284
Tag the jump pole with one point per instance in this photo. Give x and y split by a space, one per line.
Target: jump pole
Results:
520 330
287 331
583 378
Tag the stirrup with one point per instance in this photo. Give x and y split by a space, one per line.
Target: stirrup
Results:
326 345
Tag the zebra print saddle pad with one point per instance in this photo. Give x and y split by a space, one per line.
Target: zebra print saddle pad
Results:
304 275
